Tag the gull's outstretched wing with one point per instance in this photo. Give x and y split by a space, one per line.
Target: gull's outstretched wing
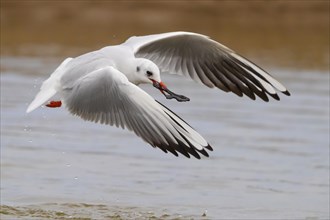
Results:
207 61
106 96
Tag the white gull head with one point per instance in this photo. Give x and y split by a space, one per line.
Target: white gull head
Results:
145 72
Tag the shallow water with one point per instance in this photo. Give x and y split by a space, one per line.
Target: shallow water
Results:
270 160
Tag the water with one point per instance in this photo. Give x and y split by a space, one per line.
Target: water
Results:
270 160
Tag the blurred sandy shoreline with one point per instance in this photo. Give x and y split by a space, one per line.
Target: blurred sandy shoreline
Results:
286 33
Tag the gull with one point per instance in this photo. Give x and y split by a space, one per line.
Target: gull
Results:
102 86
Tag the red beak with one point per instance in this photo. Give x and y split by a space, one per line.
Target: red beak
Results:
163 88
159 85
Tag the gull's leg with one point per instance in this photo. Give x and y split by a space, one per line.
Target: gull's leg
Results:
54 104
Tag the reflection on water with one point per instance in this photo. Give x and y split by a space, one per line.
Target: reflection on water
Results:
270 159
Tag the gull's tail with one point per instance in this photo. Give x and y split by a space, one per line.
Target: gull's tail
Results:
48 88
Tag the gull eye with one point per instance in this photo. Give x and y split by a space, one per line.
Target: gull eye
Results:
137 69
149 73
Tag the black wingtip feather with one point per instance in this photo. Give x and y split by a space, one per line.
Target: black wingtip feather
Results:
203 152
287 93
180 146
173 152
265 100
275 96
209 147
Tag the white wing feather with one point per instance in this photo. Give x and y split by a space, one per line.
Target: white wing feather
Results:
106 96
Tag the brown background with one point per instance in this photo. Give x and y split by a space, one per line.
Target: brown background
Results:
282 33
